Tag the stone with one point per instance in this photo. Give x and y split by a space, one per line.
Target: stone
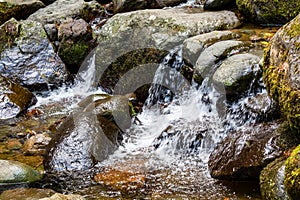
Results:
213 54
271 181
281 69
292 174
236 74
19 9
36 145
13 172
61 10
193 46
15 99
218 4
244 153
58 196
27 56
271 12
26 193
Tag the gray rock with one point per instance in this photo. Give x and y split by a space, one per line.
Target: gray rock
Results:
15 99
12 172
27 56
19 9
193 46
217 4
236 74
206 62
60 10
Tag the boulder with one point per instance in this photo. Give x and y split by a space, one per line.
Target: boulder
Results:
292 174
58 196
76 41
271 12
13 172
193 46
271 181
19 9
27 56
15 99
26 193
281 68
244 153
206 62
61 10
218 4
236 74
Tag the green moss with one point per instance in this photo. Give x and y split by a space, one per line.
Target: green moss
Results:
292 174
294 29
73 54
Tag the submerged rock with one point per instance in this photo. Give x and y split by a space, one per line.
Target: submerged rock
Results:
13 172
18 9
15 99
271 12
271 181
244 153
27 57
26 193
292 174
236 74
281 68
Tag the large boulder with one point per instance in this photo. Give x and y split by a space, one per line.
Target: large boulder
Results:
15 99
270 12
19 9
27 56
244 153
281 71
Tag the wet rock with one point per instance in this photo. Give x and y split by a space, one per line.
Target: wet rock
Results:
218 4
272 12
51 31
236 74
36 145
15 99
193 46
61 10
271 181
244 153
27 57
26 193
130 5
292 174
281 68
76 41
18 9
13 172
213 54
58 196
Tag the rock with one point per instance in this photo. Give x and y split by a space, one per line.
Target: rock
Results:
271 12
236 74
36 145
244 153
13 172
76 41
26 193
271 181
88 136
14 99
58 196
27 57
281 68
193 46
213 54
218 4
61 10
292 174
19 9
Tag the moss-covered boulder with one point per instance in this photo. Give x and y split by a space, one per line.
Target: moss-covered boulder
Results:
292 174
27 56
269 12
15 99
281 71
19 9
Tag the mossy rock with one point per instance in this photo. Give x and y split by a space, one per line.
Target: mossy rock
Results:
281 71
269 12
292 174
